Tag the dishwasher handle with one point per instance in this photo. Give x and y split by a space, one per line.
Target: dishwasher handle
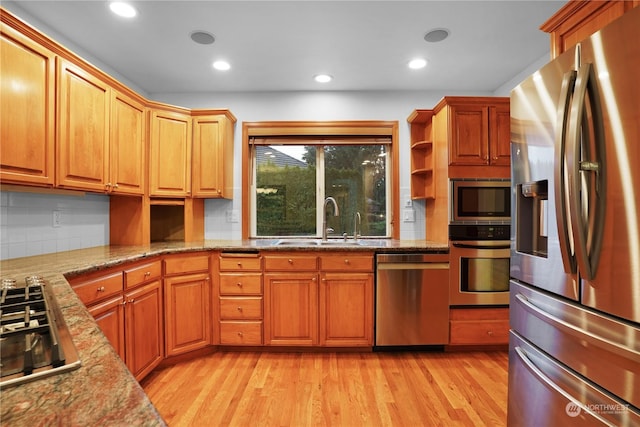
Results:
413 266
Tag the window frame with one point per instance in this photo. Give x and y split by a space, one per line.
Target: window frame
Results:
318 130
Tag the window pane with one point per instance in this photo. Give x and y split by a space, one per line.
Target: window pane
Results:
355 177
285 190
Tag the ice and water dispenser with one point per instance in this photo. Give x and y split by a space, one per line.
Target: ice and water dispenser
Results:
532 210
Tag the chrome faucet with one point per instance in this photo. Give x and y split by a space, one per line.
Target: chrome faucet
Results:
357 226
336 212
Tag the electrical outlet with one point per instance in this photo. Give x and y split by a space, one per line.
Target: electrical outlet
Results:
233 216
57 219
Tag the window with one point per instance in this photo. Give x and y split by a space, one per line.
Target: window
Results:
288 178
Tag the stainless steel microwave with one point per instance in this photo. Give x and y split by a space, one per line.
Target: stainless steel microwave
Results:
480 200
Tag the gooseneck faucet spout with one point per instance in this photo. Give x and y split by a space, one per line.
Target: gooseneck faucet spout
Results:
336 212
357 225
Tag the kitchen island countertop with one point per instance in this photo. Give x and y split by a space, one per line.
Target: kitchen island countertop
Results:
102 391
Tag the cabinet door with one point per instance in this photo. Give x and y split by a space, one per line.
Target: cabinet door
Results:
127 145
212 157
27 110
500 135
109 316
170 167
83 129
187 310
469 135
143 328
346 309
291 309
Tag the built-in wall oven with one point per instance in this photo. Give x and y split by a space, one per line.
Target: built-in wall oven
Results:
479 233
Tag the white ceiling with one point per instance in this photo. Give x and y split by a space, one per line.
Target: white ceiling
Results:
280 45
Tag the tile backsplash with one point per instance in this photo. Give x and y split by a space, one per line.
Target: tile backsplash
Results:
28 227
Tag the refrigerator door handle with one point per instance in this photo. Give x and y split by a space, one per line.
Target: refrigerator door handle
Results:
610 346
522 355
560 170
586 195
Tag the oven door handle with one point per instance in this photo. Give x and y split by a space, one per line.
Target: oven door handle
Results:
482 244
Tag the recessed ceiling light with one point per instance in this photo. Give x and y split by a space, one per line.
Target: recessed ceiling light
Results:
202 37
123 9
436 35
417 63
221 65
322 78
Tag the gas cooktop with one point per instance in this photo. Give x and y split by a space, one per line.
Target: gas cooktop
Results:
34 340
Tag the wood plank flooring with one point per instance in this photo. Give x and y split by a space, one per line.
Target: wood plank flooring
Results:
333 389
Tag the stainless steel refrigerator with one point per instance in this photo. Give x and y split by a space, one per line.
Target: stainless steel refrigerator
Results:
574 351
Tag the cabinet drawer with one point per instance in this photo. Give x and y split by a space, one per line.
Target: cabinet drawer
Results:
290 263
186 264
240 308
479 332
240 263
346 262
142 273
241 333
240 284
99 288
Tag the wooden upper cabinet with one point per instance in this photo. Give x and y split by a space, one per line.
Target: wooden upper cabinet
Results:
27 110
212 165
500 134
127 145
83 129
469 135
478 134
577 20
170 154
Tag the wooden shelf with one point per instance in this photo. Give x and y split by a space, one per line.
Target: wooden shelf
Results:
422 155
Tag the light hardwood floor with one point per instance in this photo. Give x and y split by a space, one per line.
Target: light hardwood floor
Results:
333 389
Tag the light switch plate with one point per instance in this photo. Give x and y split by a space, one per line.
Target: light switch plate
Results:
409 215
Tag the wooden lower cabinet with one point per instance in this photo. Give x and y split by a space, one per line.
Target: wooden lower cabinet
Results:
239 300
187 287
109 316
319 299
291 309
479 326
127 306
346 309
143 328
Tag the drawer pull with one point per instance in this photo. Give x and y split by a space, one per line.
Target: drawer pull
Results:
240 264
346 261
100 289
147 274
240 309
240 334
239 284
490 333
290 261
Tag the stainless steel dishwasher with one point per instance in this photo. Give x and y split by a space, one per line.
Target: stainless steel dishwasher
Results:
412 299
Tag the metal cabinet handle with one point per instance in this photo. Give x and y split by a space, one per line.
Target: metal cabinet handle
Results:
100 289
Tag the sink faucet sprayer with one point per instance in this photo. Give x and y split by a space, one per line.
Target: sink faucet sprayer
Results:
336 212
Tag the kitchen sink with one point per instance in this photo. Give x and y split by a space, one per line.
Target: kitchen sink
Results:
294 242
316 242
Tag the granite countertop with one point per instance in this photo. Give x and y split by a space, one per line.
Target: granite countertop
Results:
102 391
